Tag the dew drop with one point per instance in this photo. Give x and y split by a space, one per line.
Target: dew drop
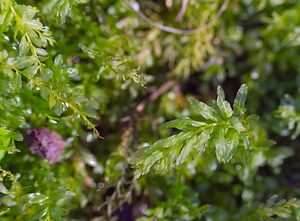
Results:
254 75
89 137
100 185
6 37
53 121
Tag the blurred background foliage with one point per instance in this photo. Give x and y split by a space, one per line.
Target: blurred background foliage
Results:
94 68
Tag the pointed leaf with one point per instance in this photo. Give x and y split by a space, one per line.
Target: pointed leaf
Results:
31 70
225 144
41 52
5 138
245 141
203 109
3 189
203 139
184 124
240 99
18 82
24 47
223 105
237 124
46 74
186 150
52 101
58 61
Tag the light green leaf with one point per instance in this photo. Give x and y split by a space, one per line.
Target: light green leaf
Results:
46 74
24 47
240 99
186 150
2 154
52 101
31 70
18 82
237 124
184 124
3 189
41 52
17 136
223 105
203 138
5 139
245 140
33 198
58 61
21 63
225 144
203 109
59 108
218 140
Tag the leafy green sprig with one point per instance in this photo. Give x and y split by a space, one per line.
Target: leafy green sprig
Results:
221 130
31 64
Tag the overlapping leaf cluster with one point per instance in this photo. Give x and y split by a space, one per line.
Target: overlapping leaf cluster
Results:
28 68
222 130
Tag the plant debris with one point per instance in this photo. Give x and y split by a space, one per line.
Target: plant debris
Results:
48 144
